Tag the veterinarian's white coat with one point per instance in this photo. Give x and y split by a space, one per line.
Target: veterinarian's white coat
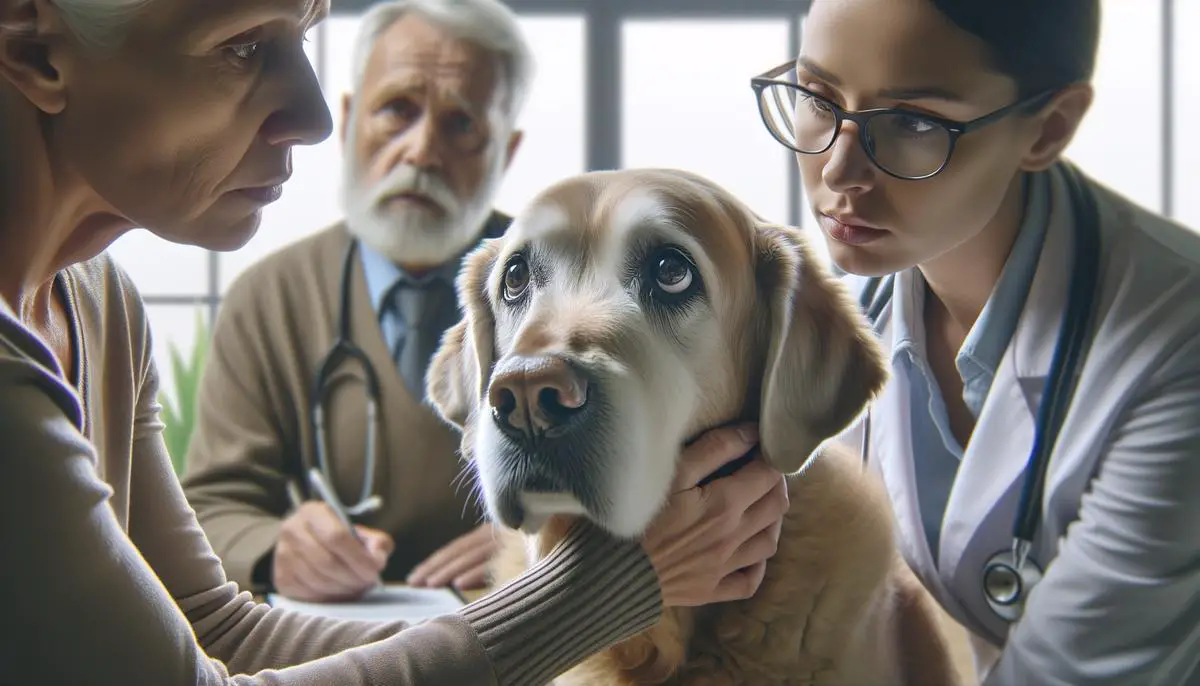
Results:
1121 602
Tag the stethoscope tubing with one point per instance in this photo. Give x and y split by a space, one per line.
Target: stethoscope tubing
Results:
341 351
1074 339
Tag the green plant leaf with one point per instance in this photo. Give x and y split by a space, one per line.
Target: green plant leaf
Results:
179 412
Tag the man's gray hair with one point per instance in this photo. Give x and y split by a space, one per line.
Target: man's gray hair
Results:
488 24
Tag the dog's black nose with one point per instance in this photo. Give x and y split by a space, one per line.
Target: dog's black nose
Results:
535 396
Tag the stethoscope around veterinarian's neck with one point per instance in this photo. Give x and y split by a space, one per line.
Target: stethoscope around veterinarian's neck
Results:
1008 576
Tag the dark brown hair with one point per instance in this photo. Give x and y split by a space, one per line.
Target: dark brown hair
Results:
1041 44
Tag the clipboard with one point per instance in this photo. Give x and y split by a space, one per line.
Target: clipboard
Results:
388 603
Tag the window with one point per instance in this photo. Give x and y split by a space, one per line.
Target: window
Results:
339 33
160 267
553 118
689 105
1120 140
1186 150
173 326
807 222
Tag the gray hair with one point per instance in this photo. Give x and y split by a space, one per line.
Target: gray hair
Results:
488 24
99 24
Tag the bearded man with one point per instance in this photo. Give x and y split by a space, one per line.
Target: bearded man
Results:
319 351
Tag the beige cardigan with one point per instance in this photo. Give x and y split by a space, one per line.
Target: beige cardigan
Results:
106 577
254 429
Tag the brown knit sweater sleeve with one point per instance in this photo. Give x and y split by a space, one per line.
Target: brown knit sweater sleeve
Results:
86 601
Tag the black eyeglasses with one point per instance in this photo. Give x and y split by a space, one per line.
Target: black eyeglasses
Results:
905 144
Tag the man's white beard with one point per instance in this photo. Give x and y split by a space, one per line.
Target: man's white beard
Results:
408 233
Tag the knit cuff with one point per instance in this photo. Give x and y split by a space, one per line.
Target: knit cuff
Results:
590 592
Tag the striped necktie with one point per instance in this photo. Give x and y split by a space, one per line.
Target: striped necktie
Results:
426 310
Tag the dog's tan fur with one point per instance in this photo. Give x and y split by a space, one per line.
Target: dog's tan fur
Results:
837 605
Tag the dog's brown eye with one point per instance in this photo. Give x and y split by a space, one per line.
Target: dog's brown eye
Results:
673 273
516 278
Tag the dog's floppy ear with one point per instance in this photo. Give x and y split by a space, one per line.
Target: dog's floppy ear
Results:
460 368
822 363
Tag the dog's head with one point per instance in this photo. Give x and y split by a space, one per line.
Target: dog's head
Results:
622 314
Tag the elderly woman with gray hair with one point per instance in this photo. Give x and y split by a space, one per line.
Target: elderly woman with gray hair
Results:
179 116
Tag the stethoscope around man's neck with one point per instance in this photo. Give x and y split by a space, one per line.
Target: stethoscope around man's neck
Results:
345 351
1009 575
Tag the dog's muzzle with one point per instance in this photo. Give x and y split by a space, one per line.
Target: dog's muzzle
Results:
545 406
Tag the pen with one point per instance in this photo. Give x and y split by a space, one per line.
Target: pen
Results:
294 496
323 489
458 594
317 480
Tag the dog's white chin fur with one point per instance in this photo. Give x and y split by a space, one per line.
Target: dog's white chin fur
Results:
540 507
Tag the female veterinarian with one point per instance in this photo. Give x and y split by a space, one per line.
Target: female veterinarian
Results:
1040 434
180 115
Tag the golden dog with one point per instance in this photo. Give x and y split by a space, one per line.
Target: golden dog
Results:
621 315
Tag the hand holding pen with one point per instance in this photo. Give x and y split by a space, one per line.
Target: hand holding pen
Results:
324 491
321 555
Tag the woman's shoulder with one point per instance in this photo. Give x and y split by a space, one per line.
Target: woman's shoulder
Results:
26 362
1145 236
105 299
102 279
113 327
1150 284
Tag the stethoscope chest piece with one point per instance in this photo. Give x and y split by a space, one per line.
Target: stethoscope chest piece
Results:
1006 585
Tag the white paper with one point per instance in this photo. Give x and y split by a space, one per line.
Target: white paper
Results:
388 603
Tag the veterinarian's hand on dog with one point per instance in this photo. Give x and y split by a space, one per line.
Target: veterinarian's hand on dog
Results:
316 558
711 543
462 563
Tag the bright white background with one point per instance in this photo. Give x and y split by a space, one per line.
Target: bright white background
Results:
687 103
1187 112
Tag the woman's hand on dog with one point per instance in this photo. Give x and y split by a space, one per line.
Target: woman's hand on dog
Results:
711 542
